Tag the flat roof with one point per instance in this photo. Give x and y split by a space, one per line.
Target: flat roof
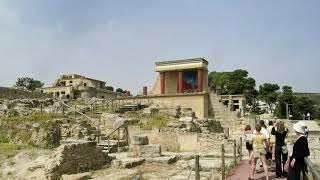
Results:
182 64
183 61
78 76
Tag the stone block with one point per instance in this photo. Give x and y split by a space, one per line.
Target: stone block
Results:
140 140
127 162
163 159
81 176
186 119
145 151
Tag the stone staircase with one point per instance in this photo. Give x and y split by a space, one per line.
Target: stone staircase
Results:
113 146
219 110
229 119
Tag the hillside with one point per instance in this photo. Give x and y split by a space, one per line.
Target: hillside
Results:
10 93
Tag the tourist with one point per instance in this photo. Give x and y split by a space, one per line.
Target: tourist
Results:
303 124
263 129
265 132
248 139
281 150
259 141
272 140
300 151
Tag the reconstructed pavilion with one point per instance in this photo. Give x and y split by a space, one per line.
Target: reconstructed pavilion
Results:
182 76
184 83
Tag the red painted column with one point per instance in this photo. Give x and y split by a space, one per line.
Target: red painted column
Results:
180 81
200 80
162 82
145 90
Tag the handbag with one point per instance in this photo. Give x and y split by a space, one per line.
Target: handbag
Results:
268 155
286 166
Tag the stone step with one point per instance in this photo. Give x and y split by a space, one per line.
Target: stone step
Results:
121 143
107 150
127 162
123 149
163 159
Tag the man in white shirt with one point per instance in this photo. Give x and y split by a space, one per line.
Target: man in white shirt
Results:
264 131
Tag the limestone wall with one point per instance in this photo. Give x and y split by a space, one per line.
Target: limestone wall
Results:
74 158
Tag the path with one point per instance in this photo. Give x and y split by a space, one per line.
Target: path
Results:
242 172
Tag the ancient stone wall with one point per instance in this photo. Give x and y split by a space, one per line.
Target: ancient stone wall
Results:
198 102
73 158
177 141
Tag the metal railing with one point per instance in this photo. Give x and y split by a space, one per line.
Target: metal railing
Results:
315 172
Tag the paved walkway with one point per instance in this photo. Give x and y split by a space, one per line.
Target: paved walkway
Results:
242 172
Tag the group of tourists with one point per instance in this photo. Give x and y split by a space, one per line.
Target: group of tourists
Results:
269 145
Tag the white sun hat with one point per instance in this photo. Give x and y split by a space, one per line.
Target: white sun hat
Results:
300 127
302 123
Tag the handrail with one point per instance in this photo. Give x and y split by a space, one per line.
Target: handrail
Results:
64 104
114 130
315 172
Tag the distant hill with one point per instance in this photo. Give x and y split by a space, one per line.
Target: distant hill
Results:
313 96
11 93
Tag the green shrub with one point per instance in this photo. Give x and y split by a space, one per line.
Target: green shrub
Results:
156 120
3 137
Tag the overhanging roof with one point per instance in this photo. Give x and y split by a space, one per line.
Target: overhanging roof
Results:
183 64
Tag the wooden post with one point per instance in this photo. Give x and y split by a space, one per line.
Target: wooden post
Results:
240 152
41 107
62 109
108 144
197 167
235 152
112 105
98 134
127 135
118 137
223 167
75 111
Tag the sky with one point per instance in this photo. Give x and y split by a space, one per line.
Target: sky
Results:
119 41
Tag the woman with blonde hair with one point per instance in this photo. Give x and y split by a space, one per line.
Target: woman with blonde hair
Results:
281 150
259 151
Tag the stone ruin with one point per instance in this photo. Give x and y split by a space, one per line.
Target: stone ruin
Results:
75 157
140 148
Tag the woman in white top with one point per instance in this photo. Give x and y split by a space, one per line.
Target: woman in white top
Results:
248 139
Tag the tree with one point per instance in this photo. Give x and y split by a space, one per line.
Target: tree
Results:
232 83
302 105
119 90
268 93
28 83
286 97
298 105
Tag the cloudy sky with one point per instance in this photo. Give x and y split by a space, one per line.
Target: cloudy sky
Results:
119 41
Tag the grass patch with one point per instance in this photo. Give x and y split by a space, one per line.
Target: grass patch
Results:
35 117
7 147
156 120
19 127
3 137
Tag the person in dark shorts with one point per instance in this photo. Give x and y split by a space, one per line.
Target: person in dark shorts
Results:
248 139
